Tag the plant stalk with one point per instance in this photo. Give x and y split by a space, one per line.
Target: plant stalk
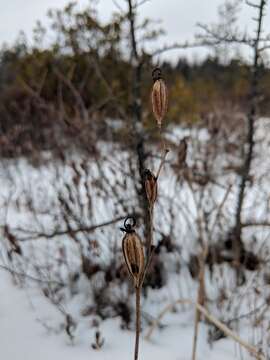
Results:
138 321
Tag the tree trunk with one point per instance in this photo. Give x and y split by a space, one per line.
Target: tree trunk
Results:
251 116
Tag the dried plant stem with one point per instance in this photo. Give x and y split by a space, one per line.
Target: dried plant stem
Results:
251 349
138 321
138 299
196 330
151 229
200 301
150 257
162 162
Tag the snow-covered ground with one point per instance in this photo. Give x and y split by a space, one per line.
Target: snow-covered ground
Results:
26 335
32 328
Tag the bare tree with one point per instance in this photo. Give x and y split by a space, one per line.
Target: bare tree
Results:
216 35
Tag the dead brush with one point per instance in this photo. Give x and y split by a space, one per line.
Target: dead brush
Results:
132 246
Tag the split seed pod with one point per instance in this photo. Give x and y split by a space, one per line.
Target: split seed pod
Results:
159 97
134 256
150 183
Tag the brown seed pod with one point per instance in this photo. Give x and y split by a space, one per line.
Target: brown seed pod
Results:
159 97
150 183
134 256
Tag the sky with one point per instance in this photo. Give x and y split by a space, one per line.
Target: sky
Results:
178 17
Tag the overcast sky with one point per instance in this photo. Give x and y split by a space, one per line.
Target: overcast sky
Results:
178 17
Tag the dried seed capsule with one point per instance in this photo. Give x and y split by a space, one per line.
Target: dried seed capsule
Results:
159 97
134 256
150 183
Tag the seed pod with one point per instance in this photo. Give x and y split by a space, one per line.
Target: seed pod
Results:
150 183
159 97
134 256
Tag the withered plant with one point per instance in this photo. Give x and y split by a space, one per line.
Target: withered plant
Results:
137 258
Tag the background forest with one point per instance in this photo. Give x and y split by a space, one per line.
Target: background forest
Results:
77 136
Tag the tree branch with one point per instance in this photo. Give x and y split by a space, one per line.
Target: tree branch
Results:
38 235
251 349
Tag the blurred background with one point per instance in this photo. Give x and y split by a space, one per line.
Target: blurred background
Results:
77 132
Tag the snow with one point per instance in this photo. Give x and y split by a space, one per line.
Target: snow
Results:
26 335
32 328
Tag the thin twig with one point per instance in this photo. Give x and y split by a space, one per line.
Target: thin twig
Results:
220 207
14 272
151 231
148 263
251 349
32 235
162 162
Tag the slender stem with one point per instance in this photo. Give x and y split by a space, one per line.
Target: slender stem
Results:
148 263
200 300
138 321
195 338
151 229
162 161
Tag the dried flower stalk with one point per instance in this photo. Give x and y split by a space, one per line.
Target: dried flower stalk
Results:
134 257
132 245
